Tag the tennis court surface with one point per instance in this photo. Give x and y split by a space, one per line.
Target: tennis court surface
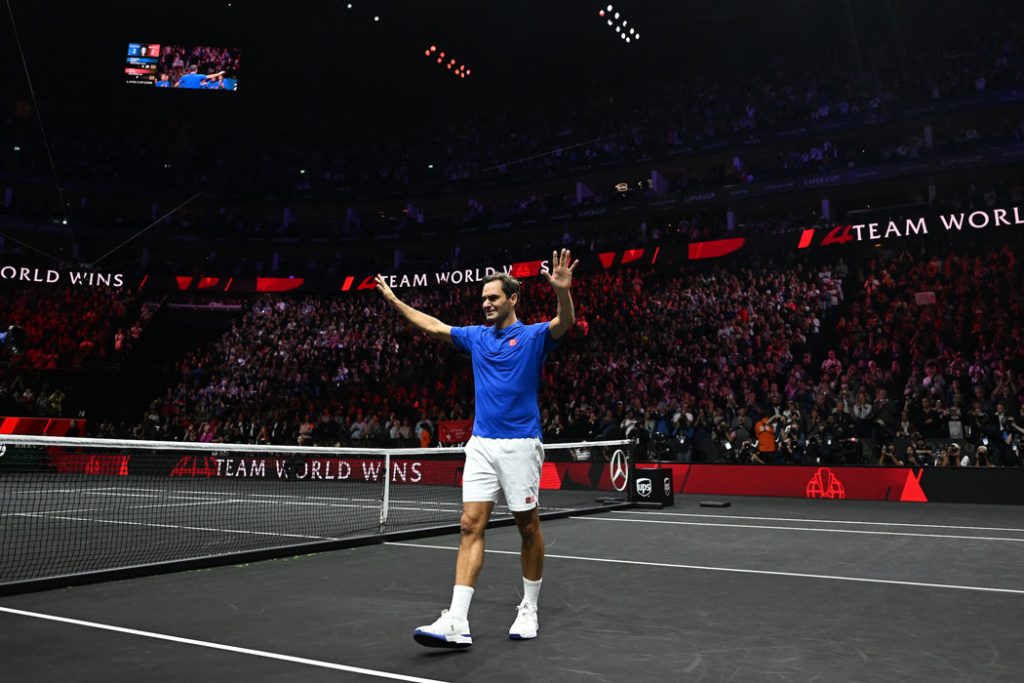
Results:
766 590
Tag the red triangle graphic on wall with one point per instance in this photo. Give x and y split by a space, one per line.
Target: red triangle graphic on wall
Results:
912 491
550 479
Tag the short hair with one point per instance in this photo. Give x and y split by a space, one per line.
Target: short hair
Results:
509 284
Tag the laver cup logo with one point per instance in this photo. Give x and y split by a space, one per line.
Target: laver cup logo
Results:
668 488
644 487
825 484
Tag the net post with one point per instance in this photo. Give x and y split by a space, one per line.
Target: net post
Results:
633 451
387 490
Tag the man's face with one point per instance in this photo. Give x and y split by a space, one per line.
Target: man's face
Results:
497 306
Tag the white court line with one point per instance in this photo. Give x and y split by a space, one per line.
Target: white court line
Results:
47 512
219 646
190 503
119 495
801 528
126 488
734 570
299 495
195 495
168 493
822 521
173 526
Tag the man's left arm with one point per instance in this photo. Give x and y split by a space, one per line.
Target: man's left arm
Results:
560 279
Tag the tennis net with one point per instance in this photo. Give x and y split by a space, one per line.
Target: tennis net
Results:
76 510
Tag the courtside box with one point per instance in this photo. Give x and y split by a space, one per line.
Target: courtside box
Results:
653 486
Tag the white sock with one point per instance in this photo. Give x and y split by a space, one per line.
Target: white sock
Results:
461 597
531 590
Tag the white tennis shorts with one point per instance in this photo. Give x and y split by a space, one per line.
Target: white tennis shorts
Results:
510 465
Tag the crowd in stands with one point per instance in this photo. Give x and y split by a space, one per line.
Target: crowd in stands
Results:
24 396
74 326
836 362
209 221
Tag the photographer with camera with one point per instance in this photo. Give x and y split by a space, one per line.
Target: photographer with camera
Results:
887 456
764 432
919 453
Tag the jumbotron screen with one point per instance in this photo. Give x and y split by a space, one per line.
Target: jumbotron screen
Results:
189 67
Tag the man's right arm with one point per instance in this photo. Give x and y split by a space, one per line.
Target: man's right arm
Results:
429 324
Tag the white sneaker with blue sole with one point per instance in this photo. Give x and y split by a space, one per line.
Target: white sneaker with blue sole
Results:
525 625
448 631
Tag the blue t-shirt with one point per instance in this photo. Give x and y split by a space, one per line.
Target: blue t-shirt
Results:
191 81
506 371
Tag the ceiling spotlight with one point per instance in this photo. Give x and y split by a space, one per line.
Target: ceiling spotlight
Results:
623 29
450 63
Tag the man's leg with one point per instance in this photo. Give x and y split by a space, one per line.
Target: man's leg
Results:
531 556
451 630
531 553
475 515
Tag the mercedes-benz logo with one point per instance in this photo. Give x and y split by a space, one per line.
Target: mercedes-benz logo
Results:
619 470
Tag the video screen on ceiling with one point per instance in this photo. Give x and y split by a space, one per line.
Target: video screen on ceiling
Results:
187 67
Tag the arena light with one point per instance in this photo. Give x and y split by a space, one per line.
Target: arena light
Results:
622 28
451 64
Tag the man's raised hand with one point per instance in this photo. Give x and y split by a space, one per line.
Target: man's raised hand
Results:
560 276
384 289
